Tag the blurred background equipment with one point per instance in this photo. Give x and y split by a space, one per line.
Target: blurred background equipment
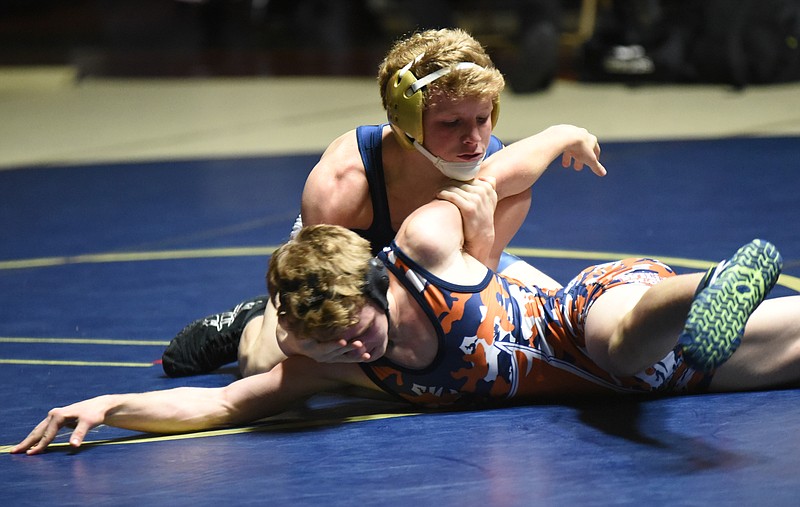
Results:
737 42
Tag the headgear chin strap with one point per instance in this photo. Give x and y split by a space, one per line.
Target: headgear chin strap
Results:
404 99
461 171
376 284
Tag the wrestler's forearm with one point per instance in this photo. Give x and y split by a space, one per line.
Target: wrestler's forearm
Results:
171 411
519 165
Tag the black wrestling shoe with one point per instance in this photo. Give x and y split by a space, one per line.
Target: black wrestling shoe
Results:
206 344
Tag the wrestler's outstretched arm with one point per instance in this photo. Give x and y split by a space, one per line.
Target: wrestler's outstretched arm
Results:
187 409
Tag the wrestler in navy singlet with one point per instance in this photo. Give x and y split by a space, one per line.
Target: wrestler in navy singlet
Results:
380 232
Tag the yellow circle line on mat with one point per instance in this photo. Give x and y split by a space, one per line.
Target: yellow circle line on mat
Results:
79 341
788 281
137 257
83 341
47 362
292 425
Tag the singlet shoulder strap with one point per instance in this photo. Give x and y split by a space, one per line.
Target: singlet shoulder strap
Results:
369 138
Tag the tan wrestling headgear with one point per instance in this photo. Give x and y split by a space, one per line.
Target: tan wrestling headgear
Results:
404 100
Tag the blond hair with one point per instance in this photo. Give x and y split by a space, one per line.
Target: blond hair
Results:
438 49
316 280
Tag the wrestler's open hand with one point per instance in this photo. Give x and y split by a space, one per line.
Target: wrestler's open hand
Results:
334 351
82 416
477 201
584 150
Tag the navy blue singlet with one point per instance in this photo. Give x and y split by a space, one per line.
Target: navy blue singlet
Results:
380 232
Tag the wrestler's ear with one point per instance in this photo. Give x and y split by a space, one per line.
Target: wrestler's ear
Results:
285 322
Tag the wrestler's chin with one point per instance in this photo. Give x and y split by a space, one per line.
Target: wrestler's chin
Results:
376 352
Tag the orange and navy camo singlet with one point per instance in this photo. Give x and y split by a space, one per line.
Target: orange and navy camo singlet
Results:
499 339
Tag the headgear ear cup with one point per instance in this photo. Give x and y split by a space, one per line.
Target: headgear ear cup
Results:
404 101
376 284
404 107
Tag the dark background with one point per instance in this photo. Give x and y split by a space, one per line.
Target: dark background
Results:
163 38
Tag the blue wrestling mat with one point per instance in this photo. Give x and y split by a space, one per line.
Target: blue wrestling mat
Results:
101 265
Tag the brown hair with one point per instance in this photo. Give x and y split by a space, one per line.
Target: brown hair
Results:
316 280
